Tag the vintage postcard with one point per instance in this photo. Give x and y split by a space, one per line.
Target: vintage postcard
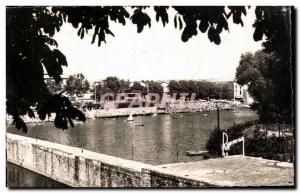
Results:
150 96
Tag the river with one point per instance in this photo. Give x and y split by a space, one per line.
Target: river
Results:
161 140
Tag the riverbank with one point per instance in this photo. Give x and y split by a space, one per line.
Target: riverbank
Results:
177 107
202 106
110 113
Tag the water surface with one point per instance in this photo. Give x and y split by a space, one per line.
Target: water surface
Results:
161 140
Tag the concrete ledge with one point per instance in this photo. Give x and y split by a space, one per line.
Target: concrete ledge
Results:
237 171
78 167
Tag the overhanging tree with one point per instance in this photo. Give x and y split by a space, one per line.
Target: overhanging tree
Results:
30 46
269 72
53 87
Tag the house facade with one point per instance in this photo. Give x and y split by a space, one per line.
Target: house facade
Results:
241 93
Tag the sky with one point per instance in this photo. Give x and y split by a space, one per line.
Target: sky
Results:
157 53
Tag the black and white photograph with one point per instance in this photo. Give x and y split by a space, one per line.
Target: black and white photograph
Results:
145 96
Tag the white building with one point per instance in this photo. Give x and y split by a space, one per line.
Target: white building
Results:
241 93
165 87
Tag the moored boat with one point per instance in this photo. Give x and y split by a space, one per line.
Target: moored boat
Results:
130 118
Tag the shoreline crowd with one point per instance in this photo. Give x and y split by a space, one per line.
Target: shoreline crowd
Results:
177 107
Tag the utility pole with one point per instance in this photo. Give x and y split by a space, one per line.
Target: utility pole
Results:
218 116
177 151
132 141
95 88
95 93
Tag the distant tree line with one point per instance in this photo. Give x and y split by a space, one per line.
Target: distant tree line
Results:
202 89
113 84
77 84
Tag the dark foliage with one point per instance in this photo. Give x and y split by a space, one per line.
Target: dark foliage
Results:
203 89
115 85
269 72
53 87
63 109
257 145
271 148
214 142
154 87
137 87
212 20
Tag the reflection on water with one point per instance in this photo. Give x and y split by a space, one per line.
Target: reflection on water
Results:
19 177
156 141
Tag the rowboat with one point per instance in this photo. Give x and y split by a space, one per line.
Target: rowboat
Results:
196 153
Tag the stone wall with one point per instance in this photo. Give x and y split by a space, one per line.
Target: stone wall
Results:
78 167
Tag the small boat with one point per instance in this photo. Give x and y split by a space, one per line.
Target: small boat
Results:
205 115
141 124
130 118
154 114
196 153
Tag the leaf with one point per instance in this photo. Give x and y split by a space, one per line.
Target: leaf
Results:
42 116
157 17
258 34
258 13
95 33
20 124
219 28
109 32
31 113
203 26
140 19
180 23
79 31
72 112
122 20
243 9
82 34
23 126
186 34
102 35
99 40
60 122
211 33
70 121
161 12
80 115
140 28
217 39
60 57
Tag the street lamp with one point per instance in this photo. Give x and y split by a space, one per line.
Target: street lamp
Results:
95 85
